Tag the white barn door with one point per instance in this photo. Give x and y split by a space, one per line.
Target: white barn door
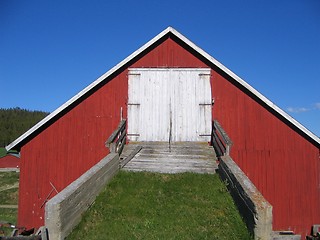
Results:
169 104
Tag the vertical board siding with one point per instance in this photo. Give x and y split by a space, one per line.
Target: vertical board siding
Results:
133 106
169 54
169 104
189 90
67 148
282 164
9 161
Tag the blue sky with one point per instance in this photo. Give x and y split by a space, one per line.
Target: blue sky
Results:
51 50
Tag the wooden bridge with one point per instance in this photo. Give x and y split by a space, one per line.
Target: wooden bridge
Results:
163 157
168 157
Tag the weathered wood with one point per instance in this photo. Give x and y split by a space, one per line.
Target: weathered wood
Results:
176 158
225 136
121 142
9 206
117 140
121 137
9 170
218 146
131 155
220 140
64 211
120 127
169 104
254 208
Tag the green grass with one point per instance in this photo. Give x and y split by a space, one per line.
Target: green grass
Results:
8 197
162 206
10 216
3 152
8 178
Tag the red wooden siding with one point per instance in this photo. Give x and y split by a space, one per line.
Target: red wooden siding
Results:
282 164
169 54
67 148
9 161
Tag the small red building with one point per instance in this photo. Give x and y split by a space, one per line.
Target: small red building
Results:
278 154
9 161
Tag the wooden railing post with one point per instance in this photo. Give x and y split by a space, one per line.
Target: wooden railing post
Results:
220 140
117 139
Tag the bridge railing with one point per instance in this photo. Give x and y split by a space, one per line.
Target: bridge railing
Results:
220 140
117 139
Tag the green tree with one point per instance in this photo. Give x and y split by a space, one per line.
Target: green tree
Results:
16 121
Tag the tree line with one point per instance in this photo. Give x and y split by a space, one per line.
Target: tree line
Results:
16 121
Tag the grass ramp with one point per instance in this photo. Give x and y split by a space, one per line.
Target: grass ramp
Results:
162 206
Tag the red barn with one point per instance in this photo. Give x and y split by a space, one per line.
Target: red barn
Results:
9 161
278 154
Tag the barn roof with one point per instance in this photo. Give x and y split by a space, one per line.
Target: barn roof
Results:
20 141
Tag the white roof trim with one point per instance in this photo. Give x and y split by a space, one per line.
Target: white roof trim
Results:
136 53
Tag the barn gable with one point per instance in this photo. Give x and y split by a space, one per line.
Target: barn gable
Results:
71 139
279 155
156 62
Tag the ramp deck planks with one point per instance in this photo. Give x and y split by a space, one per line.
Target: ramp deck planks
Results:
175 158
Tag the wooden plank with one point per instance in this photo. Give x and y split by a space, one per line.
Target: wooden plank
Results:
182 157
221 131
121 137
120 128
218 146
9 206
156 162
128 158
116 141
172 169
